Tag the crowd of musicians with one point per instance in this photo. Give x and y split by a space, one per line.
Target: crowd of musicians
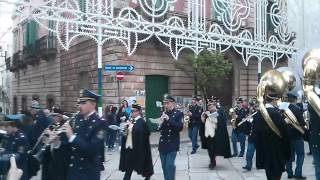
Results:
274 124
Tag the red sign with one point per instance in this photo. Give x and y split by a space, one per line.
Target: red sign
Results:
120 76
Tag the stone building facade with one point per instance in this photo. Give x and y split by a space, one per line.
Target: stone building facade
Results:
53 75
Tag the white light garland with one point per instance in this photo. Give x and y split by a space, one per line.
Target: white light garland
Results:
132 28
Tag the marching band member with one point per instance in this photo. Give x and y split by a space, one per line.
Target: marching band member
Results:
194 123
216 138
296 139
135 152
311 77
85 140
239 133
272 151
16 143
54 161
169 142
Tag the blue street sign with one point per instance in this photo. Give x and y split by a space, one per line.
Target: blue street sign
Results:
118 67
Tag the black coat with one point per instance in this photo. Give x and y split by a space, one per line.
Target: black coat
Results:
195 118
17 143
139 157
298 113
272 152
55 161
314 129
243 128
220 142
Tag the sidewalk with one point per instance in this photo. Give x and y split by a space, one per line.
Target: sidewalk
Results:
195 167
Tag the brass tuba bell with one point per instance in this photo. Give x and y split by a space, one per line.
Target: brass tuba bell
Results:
311 75
271 81
291 80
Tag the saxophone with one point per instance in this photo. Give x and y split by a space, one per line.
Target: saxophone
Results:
186 118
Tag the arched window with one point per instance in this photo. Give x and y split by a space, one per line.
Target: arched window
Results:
24 103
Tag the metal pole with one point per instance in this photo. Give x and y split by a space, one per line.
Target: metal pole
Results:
99 54
259 70
119 94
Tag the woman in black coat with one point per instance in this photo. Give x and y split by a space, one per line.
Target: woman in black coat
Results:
215 134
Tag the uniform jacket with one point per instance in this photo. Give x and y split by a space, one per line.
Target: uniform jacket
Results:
170 132
85 150
272 151
242 114
298 113
195 118
314 129
17 143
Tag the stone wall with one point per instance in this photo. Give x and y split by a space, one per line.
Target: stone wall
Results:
42 80
150 59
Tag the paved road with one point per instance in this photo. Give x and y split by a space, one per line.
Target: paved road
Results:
195 167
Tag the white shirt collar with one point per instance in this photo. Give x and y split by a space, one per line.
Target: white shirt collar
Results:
138 117
90 114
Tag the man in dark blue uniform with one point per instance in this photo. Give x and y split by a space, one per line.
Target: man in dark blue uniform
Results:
315 139
16 143
296 139
169 142
194 122
85 138
239 133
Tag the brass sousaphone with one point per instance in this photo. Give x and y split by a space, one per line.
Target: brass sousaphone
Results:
311 76
293 81
271 82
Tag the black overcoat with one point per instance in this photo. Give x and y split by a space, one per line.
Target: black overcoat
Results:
220 142
272 151
139 157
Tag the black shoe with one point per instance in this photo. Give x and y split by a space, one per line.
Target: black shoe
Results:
300 177
309 153
193 151
290 176
246 168
211 166
240 155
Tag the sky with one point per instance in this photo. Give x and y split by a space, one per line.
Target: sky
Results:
5 21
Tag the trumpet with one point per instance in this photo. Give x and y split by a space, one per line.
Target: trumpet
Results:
40 147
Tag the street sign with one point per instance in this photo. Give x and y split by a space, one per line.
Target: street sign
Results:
120 76
118 67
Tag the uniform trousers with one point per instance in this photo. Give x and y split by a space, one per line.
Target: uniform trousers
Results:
297 147
168 166
316 158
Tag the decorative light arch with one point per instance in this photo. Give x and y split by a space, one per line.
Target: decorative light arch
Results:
100 22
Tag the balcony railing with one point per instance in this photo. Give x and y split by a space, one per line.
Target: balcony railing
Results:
15 62
47 47
30 54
